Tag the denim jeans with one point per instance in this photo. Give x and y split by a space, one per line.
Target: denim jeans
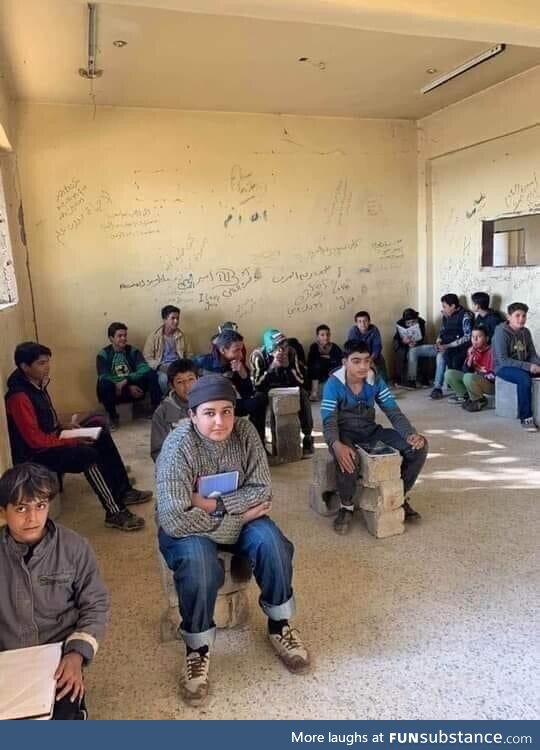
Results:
411 464
198 575
427 350
523 380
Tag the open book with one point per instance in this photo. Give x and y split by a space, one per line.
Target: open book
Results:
412 333
81 432
27 684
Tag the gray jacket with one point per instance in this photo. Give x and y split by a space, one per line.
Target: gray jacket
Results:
514 348
166 417
58 596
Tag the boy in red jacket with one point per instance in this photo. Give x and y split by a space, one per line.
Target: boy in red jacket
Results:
477 379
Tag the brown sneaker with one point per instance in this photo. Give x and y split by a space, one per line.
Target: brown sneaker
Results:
290 649
194 685
124 520
136 497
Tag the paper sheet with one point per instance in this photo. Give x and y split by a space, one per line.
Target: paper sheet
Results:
27 684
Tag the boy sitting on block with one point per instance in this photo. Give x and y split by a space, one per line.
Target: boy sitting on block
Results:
348 417
476 380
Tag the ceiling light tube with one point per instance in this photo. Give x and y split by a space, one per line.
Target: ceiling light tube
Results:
464 67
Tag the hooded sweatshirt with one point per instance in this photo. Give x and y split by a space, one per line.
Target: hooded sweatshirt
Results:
166 417
372 337
514 348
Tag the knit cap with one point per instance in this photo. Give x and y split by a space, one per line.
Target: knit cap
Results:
272 339
212 387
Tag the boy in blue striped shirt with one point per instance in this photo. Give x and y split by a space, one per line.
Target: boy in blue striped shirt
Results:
348 417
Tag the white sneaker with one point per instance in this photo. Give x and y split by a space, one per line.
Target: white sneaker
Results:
194 685
290 649
529 424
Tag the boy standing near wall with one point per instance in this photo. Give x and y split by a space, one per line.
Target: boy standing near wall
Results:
348 417
516 359
50 587
166 344
123 374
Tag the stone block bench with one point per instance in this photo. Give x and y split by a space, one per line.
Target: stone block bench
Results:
232 607
379 495
285 424
506 403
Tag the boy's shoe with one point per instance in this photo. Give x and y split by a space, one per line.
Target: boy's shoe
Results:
343 520
436 394
307 446
529 424
410 385
410 513
456 399
124 520
136 497
476 405
194 685
113 423
290 649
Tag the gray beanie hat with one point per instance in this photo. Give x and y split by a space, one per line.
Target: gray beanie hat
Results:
211 388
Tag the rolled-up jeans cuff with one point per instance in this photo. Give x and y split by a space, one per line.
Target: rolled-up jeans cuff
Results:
198 640
279 611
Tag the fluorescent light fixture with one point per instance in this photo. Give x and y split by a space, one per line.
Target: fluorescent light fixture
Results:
464 67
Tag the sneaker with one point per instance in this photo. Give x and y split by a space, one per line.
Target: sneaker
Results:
410 385
124 520
529 424
343 520
456 399
113 423
477 405
290 649
194 685
410 513
436 394
307 446
136 497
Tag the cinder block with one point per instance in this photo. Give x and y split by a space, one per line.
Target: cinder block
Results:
324 470
386 496
125 412
323 503
388 523
284 400
286 438
506 403
232 604
379 468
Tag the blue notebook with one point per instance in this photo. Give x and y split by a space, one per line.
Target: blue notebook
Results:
221 484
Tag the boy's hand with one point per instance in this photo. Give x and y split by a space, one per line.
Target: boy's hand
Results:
119 386
345 456
207 504
135 391
69 677
535 369
258 511
416 441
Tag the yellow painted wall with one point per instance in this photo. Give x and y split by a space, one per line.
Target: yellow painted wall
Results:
266 220
15 322
479 159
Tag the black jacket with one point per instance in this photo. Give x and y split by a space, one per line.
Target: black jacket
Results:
45 414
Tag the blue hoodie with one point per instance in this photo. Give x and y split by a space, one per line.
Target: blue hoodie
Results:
346 413
372 337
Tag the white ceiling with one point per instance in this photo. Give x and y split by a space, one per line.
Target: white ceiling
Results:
227 63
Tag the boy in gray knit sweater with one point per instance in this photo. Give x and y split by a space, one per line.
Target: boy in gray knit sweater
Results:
192 527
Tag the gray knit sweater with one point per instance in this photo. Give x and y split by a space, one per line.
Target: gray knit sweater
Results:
187 455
